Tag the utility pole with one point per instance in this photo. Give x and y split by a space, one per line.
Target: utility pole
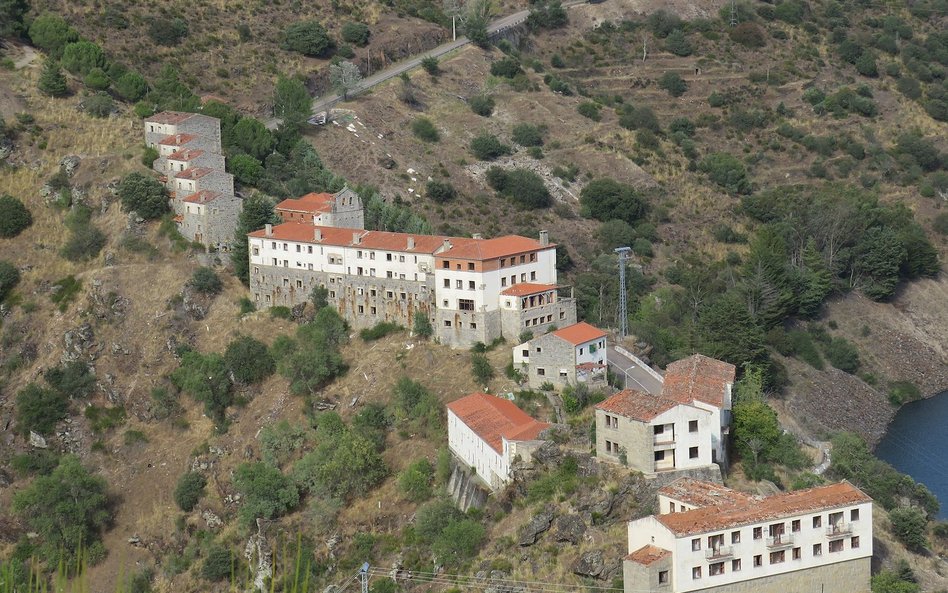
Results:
623 253
733 13
364 577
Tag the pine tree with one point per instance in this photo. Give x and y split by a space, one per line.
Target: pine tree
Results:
51 81
817 281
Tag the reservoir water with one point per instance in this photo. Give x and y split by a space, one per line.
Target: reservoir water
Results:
917 444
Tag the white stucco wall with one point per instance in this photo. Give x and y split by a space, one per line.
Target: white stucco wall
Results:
492 467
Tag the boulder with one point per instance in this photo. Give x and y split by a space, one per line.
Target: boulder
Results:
570 528
37 441
540 523
69 164
590 564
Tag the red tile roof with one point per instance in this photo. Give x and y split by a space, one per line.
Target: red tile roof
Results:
344 237
698 377
311 203
177 139
528 288
761 509
579 333
185 154
648 554
494 419
637 405
179 218
699 493
169 117
485 249
194 173
202 197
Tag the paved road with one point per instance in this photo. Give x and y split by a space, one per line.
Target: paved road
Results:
326 101
635 376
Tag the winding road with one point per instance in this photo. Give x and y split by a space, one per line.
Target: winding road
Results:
326 101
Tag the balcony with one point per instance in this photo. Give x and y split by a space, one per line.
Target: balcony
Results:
839 530
783 540
663 439
718 554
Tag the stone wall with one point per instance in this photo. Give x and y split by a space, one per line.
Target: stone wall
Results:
554 354
461 334
202 125
639 578
635 438
218 181
347 211
515 322
215 228
842 577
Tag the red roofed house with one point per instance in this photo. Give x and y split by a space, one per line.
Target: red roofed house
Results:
488 433
708 538
459 284
574 354
341 209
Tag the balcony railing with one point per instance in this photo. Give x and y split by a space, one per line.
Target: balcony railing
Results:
665 438
783 540
839 530
719 553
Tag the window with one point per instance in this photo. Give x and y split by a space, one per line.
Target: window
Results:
466 304
817 549
758 560
735 537
525 353
671 507
659 456
854 515
470 266
533 275
286 247
716 569
796 553
523 259
503 282
836 518
446 265
371 255
459 284
256 251
795 525
473 325
372 310
693 453
523 277
736 565
389 274
299 248
696 544
389 294
309 249
372 292
777 557
563 374
608 446
836 546
580 351
471 284
541 372
332 294
716 542
299 284
662 577
758 532
447 283
361 309
447 323
692 426
659 429
401 258
388 257
696 572
359 254
503 262
854 542
817 522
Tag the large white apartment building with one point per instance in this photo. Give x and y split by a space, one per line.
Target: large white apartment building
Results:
711 539
375 276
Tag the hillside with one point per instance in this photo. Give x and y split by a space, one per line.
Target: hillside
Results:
702 238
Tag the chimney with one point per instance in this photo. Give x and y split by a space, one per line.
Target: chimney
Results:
356 238
318 235
177 139
411 243
477 236
445 245
269 230
544 238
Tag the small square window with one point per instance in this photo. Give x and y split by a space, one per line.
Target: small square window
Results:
854 542
541 372
696 572
796 553
696 544
817 522
817 549
693 453
735 537
736 565
854 515
758 532
692 426
795 525
758 560
470 266
447 323
662 577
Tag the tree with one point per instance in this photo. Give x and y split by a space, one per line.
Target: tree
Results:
39 409
482 105
355 33
421 325
51 33
506 67
256 213
487 147
879 254
9 278
308 38
82 56
748 35
756 430
251 136
343 464
474 24
189 491
521 186
97 80
144 195
526 134
279 441
291 101
345 78
423 128
131 86
458 542
606 199
727 171
677 43
98 105
246 169
167 31
889 581
219 564
249 360
430 65
73 380
14 216
728 332
51 81
266 492
206 281
481 369
547 14
817 281
207 379
11 17
69 509
910 525
673 83
440 191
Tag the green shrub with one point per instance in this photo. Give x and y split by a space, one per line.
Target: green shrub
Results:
842 354
51 81
39 409
131 86
51 33
522 186
424 129
344 463
606 199
355 33
308 38
249 360
14 216
9 278
64 291
901 392
97 80
98 105
73 380
487 147
144 195
673 83
415 481
909 525
591 110
526 134
727 171
102 419
482 105
748 35
207 379
481 369
189 491
206 281
379 331
219 564
266 492
507 67
430 65
642 118
421 325
440 191
167 31
82 56
279 441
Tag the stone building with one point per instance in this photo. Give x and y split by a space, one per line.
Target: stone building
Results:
487 433
568 356
710 539
375 276
342 209
191 165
